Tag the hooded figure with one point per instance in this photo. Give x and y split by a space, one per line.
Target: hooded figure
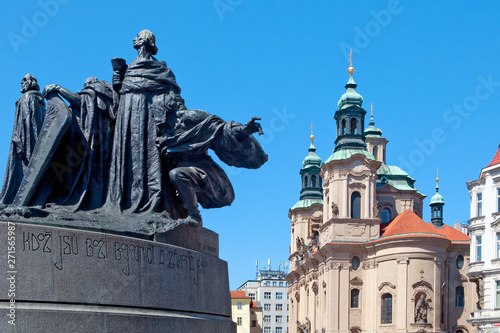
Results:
30 113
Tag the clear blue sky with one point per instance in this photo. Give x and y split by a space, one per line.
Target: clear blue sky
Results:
428 67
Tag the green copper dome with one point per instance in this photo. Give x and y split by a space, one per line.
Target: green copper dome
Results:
351 97
312 159
346 153
372 131
437 198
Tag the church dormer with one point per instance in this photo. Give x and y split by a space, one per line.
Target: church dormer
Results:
350 117
437 203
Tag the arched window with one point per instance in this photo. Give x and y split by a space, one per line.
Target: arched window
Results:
343 126
375 152
459 297
305 181
354 124
386 309
356 205
313 181
355 298
385 215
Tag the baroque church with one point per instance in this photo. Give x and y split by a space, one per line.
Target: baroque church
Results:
361 257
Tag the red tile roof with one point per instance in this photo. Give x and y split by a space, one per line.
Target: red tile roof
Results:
253 305
453 234
408 224
239 294
496 158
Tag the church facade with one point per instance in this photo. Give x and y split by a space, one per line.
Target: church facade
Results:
361 257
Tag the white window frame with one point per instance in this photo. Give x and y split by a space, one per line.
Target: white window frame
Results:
479 204
479 248
497 294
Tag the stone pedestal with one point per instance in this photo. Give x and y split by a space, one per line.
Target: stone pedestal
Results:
70 280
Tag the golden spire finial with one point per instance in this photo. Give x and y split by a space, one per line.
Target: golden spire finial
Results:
351 69
437 178
371 110
312 135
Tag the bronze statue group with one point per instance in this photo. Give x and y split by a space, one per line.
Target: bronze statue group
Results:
130 146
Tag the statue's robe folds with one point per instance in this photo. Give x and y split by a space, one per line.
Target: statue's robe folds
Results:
30 113
136 178
91 139
196 132
78 174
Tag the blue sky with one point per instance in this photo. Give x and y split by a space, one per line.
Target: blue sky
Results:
431 69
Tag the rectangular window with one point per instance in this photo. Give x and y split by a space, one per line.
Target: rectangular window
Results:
240 305
279 295
386 309
275 283
478 248
239 321
267 295
267 319
267 329
459 297
254 323
281 284
498 245
279 319
267 307
279 330
355 298
498 199
498 294
268 283
279 307
479 204
253 296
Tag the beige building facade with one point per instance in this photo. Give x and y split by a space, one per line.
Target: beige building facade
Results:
362 259
240 311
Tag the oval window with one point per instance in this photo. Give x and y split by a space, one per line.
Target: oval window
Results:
460 261
355 263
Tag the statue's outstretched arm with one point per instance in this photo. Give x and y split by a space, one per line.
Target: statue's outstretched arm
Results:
73 98
251 127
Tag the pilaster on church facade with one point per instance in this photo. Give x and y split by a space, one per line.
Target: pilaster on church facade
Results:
362 259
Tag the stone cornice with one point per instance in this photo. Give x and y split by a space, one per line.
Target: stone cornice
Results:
383 284
473 183
422 283
475 219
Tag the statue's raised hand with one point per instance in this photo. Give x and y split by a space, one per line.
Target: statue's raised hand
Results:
252 126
